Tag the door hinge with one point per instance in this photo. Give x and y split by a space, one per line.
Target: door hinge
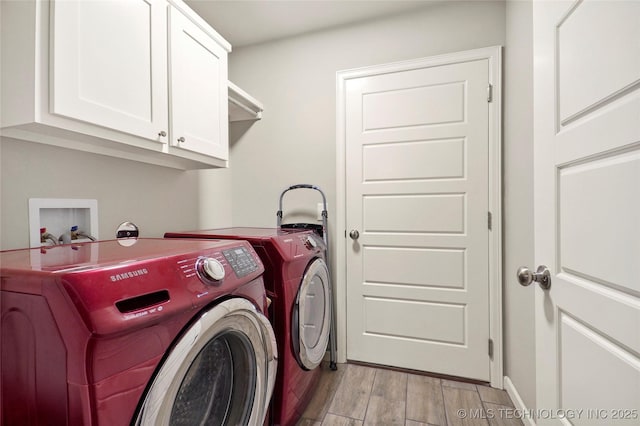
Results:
490 93
489 220
490 348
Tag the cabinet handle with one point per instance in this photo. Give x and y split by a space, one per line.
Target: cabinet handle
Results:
181 139
162 133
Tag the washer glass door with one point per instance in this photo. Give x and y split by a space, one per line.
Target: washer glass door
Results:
221 371
312 316
219 385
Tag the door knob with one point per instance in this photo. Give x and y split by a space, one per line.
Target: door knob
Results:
542 276
354 234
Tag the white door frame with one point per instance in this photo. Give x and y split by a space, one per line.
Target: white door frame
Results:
494 56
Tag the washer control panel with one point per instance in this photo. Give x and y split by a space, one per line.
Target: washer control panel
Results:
240 260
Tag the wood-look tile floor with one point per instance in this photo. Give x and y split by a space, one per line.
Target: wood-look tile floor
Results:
359 395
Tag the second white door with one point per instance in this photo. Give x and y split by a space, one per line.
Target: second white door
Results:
417 193
587 211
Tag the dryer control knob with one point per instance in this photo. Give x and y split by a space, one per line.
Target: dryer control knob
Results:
212 269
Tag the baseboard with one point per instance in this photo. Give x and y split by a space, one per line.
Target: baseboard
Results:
518 402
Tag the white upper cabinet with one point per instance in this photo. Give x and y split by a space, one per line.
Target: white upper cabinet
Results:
104 69
198 87
126 78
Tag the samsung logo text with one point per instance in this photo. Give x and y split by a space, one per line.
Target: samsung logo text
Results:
130 274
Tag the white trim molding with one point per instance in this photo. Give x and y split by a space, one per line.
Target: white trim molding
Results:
519 405
494 57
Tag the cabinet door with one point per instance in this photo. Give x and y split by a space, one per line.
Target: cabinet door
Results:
198 89
109 64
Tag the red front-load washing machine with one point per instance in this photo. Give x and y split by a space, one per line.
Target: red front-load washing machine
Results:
297 281
157 332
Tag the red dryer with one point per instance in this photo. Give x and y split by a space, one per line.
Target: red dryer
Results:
297 281
152 332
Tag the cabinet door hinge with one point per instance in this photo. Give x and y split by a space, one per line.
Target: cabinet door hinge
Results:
490 348
489 221
490 93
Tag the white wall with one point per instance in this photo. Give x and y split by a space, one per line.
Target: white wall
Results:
519 311
295 79
156 198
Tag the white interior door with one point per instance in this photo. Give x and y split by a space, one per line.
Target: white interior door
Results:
587 214
417 177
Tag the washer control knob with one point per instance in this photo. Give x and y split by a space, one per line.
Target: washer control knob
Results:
212 269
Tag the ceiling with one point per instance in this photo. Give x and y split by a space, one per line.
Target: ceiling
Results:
256 21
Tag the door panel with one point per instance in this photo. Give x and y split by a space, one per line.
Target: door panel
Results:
417 190
99 81
613 215
587 214
199 110
448 320
428 213
621 369
109 64
445 266
421 160
377 115
582 52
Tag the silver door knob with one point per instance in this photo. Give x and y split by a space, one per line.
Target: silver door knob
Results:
162 133
354 234
542 276
181 139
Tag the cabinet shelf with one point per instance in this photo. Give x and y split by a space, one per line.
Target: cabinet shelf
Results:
243 106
